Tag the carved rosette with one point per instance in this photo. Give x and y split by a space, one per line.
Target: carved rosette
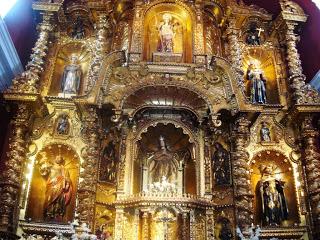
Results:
28 82
99 51
89 173
312 168
235 49
12 175
241 176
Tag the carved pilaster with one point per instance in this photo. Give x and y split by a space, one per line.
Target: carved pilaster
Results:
241 176
89 166
208 168
118 227
136 39
145 226
28 82
99 51
210 224
312 169
232 33
185 226
11 177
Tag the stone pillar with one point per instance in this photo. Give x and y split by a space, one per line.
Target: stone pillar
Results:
233 36
89 168
185 226
241 174
12 176
99 51
28 82
145 226
312 170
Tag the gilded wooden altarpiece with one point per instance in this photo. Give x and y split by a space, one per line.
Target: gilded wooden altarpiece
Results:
162 119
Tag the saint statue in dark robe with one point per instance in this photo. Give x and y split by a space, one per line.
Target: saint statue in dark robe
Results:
71 78
257 85
221 165
274 204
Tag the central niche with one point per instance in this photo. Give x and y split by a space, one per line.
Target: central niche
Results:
165 158
168 34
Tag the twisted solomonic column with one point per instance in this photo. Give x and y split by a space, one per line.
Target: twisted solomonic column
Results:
29 80
241 176
312 169
12 176
89 174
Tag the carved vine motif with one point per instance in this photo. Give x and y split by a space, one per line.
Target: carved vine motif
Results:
28 82
88 182
312 163
12 176
241 175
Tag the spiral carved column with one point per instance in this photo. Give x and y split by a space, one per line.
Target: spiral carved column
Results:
28 82
88 175
312 169
99 51
232 33
296 77
241 177
12 175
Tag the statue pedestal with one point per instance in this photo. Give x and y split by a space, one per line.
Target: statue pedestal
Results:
66 95
167 57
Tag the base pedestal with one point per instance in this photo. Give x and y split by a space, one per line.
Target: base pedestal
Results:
167 57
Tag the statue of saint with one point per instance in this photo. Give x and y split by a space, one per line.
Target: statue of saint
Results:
265 133
258 84
221 165
70 82
78 31
166 32
274 205
163 163
58 189
63 125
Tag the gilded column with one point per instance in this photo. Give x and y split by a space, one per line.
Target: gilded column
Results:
145 226
312 170
232 33
185 226
210 224
89 166
136 39
99 51
28 82
118 227
12 175
241 177
296 77
208 168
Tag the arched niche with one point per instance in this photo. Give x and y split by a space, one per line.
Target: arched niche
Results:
263 60
165 150
66 53
268 165
180 19
52 196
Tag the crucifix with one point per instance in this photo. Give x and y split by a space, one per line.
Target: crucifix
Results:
260 30
165 219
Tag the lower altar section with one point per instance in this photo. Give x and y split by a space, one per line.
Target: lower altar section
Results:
162 217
